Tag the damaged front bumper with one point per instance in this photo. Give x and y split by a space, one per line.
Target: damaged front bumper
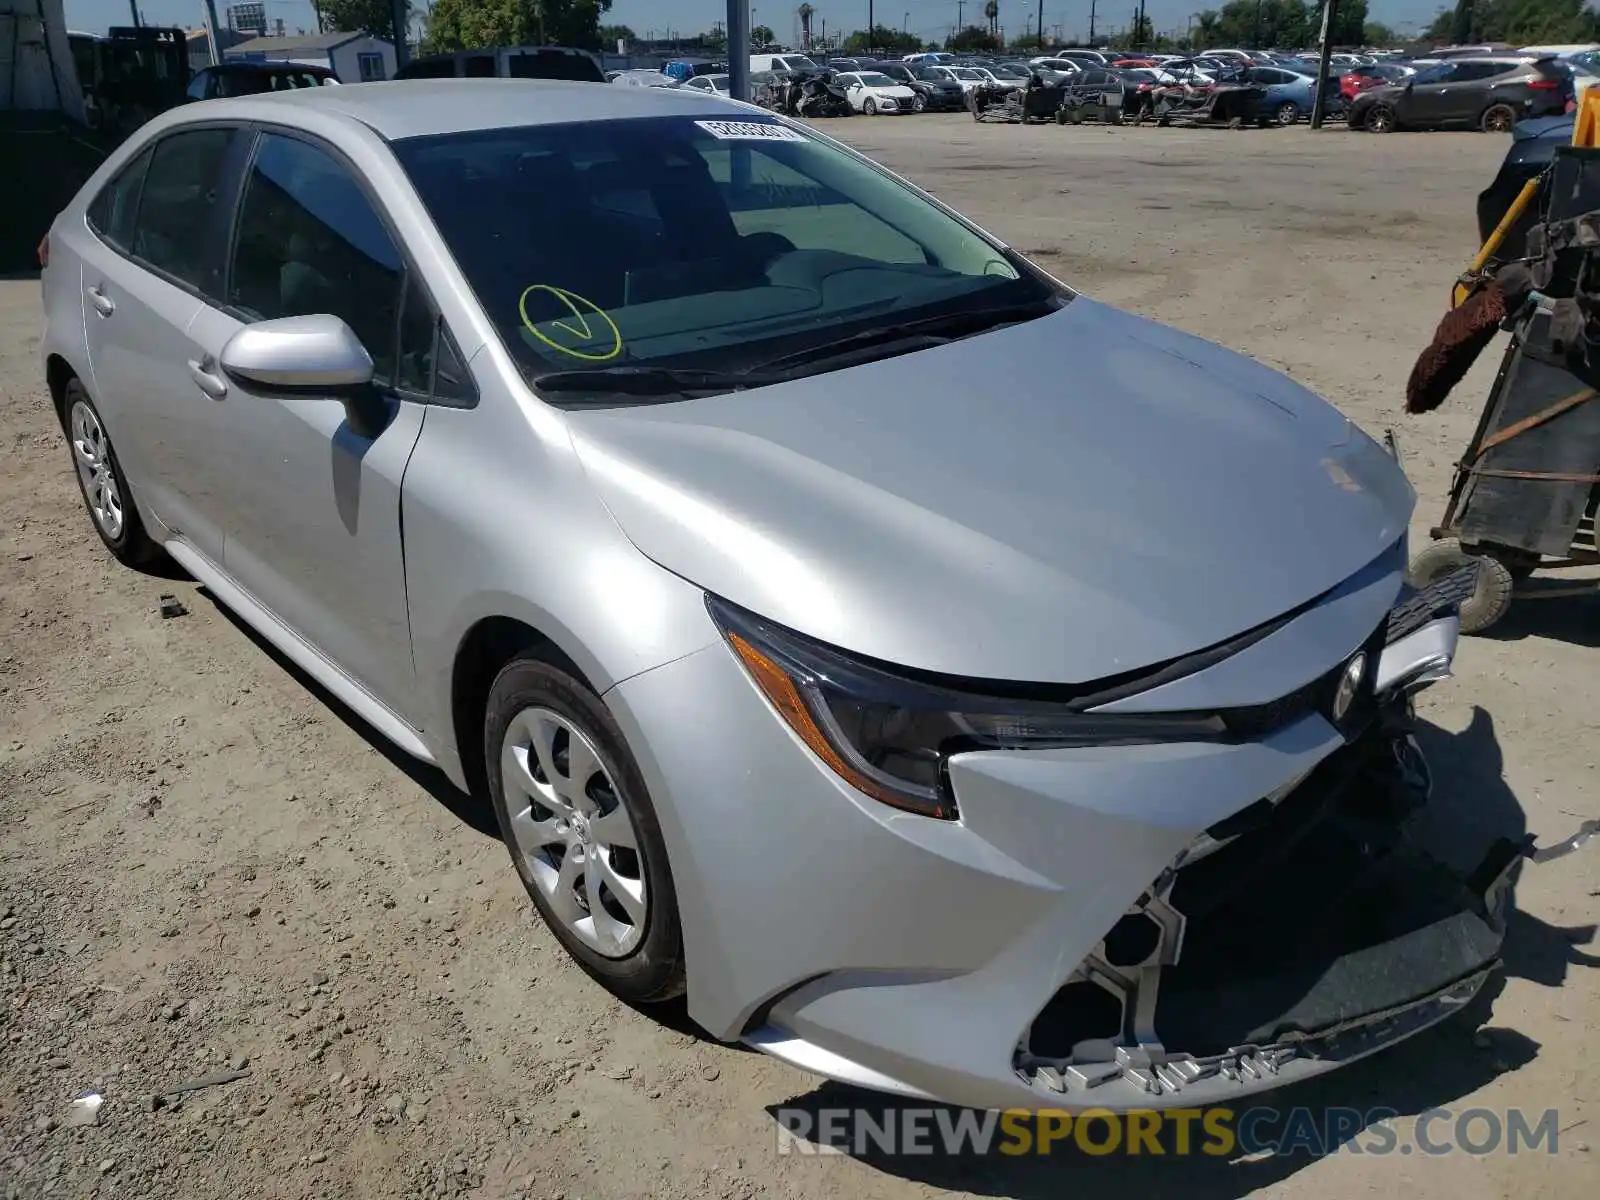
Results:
1285 937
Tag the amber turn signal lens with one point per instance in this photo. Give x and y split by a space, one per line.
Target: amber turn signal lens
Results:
775 683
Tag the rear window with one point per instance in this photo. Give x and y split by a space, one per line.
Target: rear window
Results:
695 243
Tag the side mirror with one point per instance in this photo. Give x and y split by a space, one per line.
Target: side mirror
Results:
314 355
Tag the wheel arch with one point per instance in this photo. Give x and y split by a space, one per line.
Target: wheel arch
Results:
58 372
482 653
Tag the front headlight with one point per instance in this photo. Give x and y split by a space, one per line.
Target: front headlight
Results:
889 733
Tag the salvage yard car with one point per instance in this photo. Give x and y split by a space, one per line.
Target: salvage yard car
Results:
873 92
710 499
1487 93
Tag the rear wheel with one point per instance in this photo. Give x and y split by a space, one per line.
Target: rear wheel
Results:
1286 113
1379 119
1498 118
102 483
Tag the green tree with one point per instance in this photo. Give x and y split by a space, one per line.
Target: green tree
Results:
1519 22
610 35
1286 23
359 16
886 41
472 24
991 10
1375 33
761 36
974 39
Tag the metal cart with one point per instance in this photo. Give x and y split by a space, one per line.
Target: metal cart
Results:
1524 495
1523 500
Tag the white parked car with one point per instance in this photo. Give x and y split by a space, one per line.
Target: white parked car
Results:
644 78
873 92
968 77
715 84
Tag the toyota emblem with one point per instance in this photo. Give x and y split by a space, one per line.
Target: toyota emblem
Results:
1349 685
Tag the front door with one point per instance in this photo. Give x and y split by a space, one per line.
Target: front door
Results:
313 513
161 226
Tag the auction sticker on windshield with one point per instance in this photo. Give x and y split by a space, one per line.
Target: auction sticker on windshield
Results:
750 131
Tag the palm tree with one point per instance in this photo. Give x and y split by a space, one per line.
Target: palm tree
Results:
806 12
992 11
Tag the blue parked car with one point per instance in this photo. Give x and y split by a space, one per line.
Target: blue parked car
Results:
1289 93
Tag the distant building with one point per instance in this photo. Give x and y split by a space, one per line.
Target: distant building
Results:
200 45
354 57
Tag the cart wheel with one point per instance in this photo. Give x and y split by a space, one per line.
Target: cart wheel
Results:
1489 600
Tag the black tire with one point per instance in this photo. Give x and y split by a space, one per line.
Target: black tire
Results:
1379 118
1061 116
131 545
1498 118
1489 600
919 104
869 106
654 970
1287 113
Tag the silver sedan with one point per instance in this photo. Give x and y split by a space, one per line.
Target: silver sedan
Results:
712 500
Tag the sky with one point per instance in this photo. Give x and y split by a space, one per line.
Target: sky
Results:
930 18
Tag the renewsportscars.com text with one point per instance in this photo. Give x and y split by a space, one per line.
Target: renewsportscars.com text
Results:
1215 1132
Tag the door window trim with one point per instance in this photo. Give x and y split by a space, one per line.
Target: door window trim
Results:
257 130
227 201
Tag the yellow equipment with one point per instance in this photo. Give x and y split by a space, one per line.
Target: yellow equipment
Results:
1585 132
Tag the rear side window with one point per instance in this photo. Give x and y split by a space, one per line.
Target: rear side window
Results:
309 241
1471 70
111 215
178 204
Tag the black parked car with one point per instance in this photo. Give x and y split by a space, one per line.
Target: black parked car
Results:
938 94
1491 93
254 78
1533 148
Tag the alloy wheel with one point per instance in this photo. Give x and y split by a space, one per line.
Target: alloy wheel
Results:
1499 119
91 454
571 826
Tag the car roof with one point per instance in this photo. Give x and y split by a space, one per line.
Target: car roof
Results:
421 107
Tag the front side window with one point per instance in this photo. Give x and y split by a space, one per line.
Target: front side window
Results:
694 243
309 241
178 204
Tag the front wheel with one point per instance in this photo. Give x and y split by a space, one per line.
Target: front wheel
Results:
870 107
1498 118
1490 598
918 104
582 831
1287 113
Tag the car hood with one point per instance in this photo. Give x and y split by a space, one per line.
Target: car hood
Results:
1059 501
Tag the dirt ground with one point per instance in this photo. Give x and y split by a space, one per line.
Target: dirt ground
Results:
206 866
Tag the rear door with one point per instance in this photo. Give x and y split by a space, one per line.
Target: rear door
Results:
1471 91
161 238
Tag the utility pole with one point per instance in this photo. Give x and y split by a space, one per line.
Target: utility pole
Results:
1328 8
872 26
133 7
739 50
1039 26
1091 21
1138 31
402 46
961 15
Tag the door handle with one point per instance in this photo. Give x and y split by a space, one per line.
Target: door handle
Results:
102 302
211 384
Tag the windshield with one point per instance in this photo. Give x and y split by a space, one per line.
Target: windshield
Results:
933 75
967 73
799 62
694 243
875 79
1010 72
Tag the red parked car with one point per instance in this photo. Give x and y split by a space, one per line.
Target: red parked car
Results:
1353 83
